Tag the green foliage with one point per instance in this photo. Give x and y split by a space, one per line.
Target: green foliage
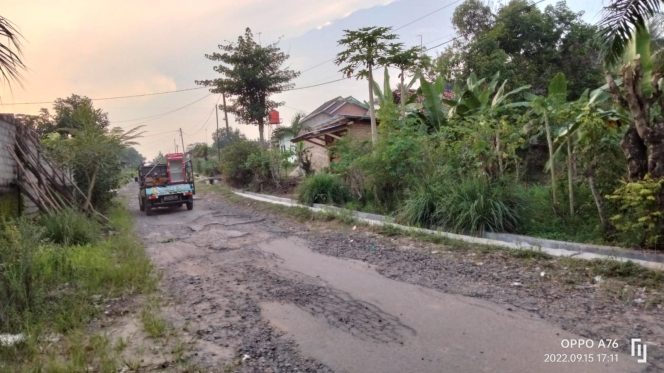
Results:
640 214
92 151
620 22
472 205
551 40
421 207
365 48
45 286
70 227
250 73
323 188
268 167
479 205
130 157
234 165
223 138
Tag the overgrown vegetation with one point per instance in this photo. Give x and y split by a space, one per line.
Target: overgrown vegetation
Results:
323 188
56 273
498 139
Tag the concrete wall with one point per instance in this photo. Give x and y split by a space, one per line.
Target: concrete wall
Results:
7 164
360 130
319 156
351 109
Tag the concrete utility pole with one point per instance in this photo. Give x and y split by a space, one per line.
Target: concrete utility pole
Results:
216 115
223 97
182 140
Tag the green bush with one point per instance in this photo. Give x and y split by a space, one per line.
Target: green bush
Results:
44 286
19 289
478 205
640 217
420 208
70 227
234 166
323 188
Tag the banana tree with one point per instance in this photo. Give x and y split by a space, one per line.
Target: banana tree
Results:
484 102
548 108
594 135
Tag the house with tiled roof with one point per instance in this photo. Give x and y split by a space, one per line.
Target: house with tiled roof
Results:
336 118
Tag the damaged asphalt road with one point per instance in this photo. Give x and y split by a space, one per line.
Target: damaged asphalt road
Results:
260 293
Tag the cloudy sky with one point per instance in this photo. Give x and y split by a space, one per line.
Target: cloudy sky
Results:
114 48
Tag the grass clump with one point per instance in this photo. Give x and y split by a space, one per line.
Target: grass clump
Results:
469 206
323 188
70 227
48 287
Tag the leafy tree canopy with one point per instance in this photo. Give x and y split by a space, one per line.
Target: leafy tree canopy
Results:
526 45
250 74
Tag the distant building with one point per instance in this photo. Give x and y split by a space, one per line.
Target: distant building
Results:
330 122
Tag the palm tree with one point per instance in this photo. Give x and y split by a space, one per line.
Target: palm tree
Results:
621 20
288 131
10 51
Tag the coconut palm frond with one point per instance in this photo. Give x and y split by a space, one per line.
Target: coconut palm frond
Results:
10 52
620 20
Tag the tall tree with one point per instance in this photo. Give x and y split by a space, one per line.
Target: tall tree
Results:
10 51
365 49
224 137
75 112
250 74
405 60
525 44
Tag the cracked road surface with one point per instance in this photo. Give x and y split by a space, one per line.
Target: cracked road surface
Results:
247 287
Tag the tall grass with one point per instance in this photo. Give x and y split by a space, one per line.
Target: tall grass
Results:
47 287
323 188
70 227
470 206
479 205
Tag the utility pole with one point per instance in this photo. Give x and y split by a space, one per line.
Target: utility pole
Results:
216 114
223 97
421 45
182 140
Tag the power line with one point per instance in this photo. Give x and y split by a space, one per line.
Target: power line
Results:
108 98
396 29
156 116
459 37
427 15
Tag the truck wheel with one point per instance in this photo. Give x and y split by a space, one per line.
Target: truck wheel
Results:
141 206
190 205
148 209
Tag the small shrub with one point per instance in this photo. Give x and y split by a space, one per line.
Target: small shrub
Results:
640 211
19 290
420 207
234 166
70 227
478 205
323 188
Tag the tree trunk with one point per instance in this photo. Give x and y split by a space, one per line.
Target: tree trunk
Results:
372 113
402 99
597 199
552 167
570 176
261 127
499 155
88 195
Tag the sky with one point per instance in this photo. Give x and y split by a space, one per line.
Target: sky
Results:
106 48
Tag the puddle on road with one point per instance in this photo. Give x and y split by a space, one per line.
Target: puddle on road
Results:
449 332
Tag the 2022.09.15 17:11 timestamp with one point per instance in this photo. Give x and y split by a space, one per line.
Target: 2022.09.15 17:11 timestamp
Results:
581 358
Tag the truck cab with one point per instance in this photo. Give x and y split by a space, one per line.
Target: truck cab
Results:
166 184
